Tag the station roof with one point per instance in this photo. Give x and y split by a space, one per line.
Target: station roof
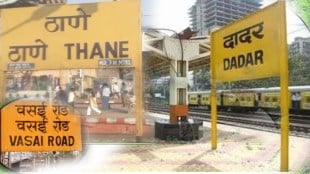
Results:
159 49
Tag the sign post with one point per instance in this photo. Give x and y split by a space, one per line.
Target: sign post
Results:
252 48
284 76
213 116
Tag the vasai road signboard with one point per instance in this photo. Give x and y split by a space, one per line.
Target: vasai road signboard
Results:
28 125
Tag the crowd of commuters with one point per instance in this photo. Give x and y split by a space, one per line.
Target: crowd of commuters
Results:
105 93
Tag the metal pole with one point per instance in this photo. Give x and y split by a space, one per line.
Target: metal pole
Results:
213 116
139 90
213 100
284 91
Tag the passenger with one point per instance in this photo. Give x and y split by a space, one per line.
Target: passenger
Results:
92 104
256 99
106 92
222 99
298 100
199 100
126 98
71 97
294 101
61 96
123 89
115 90
129 101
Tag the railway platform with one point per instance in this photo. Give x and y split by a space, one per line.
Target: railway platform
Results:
238 150
118 121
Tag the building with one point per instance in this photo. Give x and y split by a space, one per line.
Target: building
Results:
207 15
300 46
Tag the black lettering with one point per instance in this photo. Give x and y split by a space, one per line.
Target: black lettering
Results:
226 64
28 140
244 60
259 57
20 141
64 141
61 141
233 63
50 141
58 141
110 49
41 141
36 141
116 49
71 140
96 51
123 49
69 50
13 140
241 61
81 50
249 59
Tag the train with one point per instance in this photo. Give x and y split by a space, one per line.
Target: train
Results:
250 100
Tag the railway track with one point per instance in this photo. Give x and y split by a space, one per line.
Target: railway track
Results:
260 120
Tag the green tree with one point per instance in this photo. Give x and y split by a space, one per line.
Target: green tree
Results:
201 79
301 8
298 70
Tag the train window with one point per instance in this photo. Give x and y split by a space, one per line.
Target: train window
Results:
248 99
308 100
267 99
274 99
241 98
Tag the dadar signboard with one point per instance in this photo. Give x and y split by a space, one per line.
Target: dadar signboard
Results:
249 48
95 35
28 125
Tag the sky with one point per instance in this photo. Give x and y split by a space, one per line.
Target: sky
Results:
173 14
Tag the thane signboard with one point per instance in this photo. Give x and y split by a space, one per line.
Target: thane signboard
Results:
28 125
71 36
249 48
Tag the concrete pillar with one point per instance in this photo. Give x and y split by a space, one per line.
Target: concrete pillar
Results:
178 90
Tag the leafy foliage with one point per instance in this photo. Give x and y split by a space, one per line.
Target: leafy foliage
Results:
201 79
298 69
302 9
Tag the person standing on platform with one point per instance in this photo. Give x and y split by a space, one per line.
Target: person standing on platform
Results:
294 105
61 97
93 106
115 90
106 92
298 100
71 97
123 90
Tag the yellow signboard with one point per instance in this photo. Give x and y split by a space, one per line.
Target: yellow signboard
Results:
249 48
93 35
28 125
